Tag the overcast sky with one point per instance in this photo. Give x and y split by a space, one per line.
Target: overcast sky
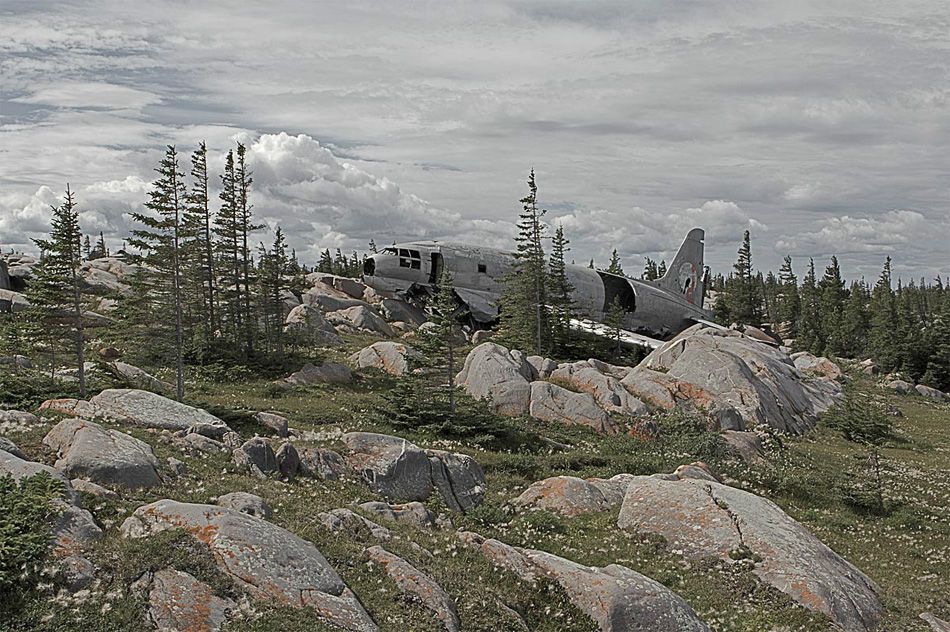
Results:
823 127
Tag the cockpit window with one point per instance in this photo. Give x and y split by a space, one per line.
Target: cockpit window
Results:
389 251
410 259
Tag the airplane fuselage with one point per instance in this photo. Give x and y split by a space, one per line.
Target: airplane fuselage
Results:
411 270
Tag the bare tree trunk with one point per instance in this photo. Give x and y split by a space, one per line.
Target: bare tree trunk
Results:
176 289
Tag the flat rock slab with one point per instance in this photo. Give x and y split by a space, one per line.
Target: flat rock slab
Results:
572 496
937 625
87 450
267 561
617 598
411 580
151 410
550 402
704 518
391 357
178 601
251 504
499 375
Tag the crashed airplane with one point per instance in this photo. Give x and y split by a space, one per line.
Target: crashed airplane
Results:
655 310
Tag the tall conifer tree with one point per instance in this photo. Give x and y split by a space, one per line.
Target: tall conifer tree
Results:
560 292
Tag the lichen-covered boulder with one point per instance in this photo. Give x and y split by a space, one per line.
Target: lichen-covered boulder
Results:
395 468
361 318
606 389
499 375
553 403
901 387
813 365
411 580
256 456
932 393
572 496
391 357
327 373
18 417
617 598
757 380
704 518
267 561
150 410
307 321
178 601
458 477
274 421
86 449
321 463
251 504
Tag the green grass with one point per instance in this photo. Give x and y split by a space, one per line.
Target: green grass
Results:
906 550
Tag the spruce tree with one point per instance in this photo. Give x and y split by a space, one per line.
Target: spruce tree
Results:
661 269
614 267
614 319
938 367
273 283
524 299
228 247
56 290
832 297
741 290
809 322
789 303
649 271
161 236
560 291
853 331
882 335
439 343
243 181
201 243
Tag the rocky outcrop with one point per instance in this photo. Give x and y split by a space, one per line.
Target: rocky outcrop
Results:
399 470
391 357
138 377
703 518
361 318
553 403
251 504
617 598
178 601
273 421
937 625
355 525
901 387
256 456
322 463
194 443
745 445
731 371
932 393
110 274
816 366
607 390
308 322
572 496
149 410
327 373
86 449
12 302
265 560
499 375
414 582
8 446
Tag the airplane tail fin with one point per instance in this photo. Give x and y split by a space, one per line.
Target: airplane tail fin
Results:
685 274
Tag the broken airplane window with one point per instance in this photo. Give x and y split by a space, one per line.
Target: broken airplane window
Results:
482 268
410 259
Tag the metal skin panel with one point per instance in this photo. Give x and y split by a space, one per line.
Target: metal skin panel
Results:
661 308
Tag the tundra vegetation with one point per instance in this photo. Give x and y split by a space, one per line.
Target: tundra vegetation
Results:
872 480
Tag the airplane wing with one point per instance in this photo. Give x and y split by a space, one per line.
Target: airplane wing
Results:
625 336
480 303
709 323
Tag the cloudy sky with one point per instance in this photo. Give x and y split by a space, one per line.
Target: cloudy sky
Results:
823 127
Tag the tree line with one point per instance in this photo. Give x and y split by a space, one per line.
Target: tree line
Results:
903 326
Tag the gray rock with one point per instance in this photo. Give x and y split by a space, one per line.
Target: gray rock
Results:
550 402
322 463
617 598
901 387
178 601
459 478
307 320
937 625
362 318
232 439
257 456
277 423
704 518
288 461
20 361
84 485
140 378
18 417
211 431
932 393
12 302
572 496
150 410
4 276
392 467
328 303
501 376
703 365
818 366
177 467
244 502
391 357
194 443
77 570
414 513
746 445
411 580
345 520
482 335
544 367
8 446
265 560
87 450
607 390
328 373
397 310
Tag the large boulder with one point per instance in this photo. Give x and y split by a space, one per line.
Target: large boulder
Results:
4 276
251 504
391 357
267 561
178 601
500 375
111 274
818 366
399 470
361 318
617 598
413 581
758 381
308 322
414 513
572 496
553 403
347 521
256 456
901 387
667 392
150 410
12 302
140 378
87 450
321 463
606 389
273 421
327 373
703 518
397 310
932 393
